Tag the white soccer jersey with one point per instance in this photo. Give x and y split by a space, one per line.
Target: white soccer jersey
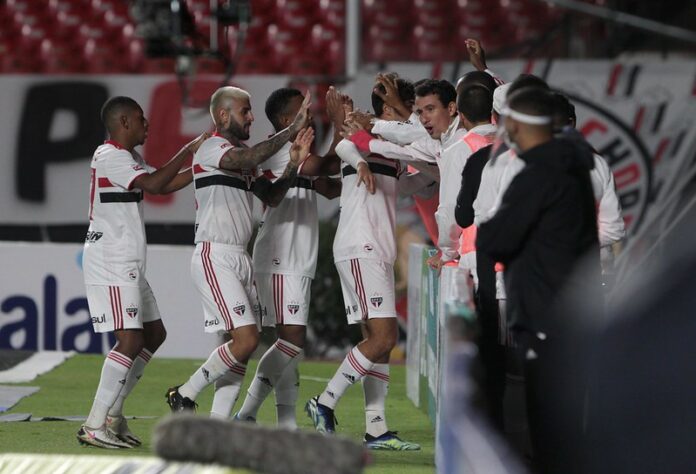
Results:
401 133
451 164
115 245
288 238
223 198
366 227
610 223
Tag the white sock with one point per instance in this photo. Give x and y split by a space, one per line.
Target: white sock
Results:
268 372
375 386
218 364
286 395
113 378
134 375
353 368
227 390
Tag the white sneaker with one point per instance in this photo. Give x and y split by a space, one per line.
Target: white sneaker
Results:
118 426
100 437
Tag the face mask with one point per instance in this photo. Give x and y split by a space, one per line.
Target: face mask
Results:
511 145
502 136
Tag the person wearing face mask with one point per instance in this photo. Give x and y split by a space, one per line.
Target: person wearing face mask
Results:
544 230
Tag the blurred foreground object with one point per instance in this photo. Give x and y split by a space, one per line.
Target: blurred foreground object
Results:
265 450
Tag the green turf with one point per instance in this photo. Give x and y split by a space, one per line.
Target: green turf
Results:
68 390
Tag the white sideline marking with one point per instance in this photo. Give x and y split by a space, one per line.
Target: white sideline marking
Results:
37 364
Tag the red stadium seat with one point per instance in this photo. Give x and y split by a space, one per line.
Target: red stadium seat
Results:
102 58
332 14
67 25
295 15
113 23
58 58
433 44
100 7
209 66
335 58
253 64
490 39
30 39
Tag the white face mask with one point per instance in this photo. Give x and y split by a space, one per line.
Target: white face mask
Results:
502 136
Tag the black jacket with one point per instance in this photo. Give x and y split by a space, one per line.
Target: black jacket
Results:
546 223
471 180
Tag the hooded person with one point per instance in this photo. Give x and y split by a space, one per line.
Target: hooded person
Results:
544 229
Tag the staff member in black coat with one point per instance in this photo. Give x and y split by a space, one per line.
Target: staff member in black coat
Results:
542 231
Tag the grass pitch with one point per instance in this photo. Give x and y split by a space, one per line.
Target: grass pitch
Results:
69 389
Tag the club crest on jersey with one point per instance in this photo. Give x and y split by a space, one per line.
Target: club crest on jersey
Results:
240 309
293 308
368 247
376 301
132 310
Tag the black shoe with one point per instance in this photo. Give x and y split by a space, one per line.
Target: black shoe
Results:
178 403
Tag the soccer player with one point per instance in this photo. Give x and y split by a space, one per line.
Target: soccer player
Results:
285 260
447 146
119 296
364 253
225 176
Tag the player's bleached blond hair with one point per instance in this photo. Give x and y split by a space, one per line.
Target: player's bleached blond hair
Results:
223 96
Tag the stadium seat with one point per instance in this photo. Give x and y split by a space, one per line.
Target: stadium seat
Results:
103 58
296 16
67 25
207 65
59 58
253 64
432 44
332 14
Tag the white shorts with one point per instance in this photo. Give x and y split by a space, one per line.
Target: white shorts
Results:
368 289
225 280
121 307
284 299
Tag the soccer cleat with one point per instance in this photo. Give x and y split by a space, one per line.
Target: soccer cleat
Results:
178 403
322 416
389 442
118 426
248 419
101 438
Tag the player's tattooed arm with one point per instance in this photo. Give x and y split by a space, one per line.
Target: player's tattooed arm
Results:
272 194
168 179
250 158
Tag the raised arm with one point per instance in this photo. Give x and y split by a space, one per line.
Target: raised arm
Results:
329 164
391 95
166 179
250 158
271 193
